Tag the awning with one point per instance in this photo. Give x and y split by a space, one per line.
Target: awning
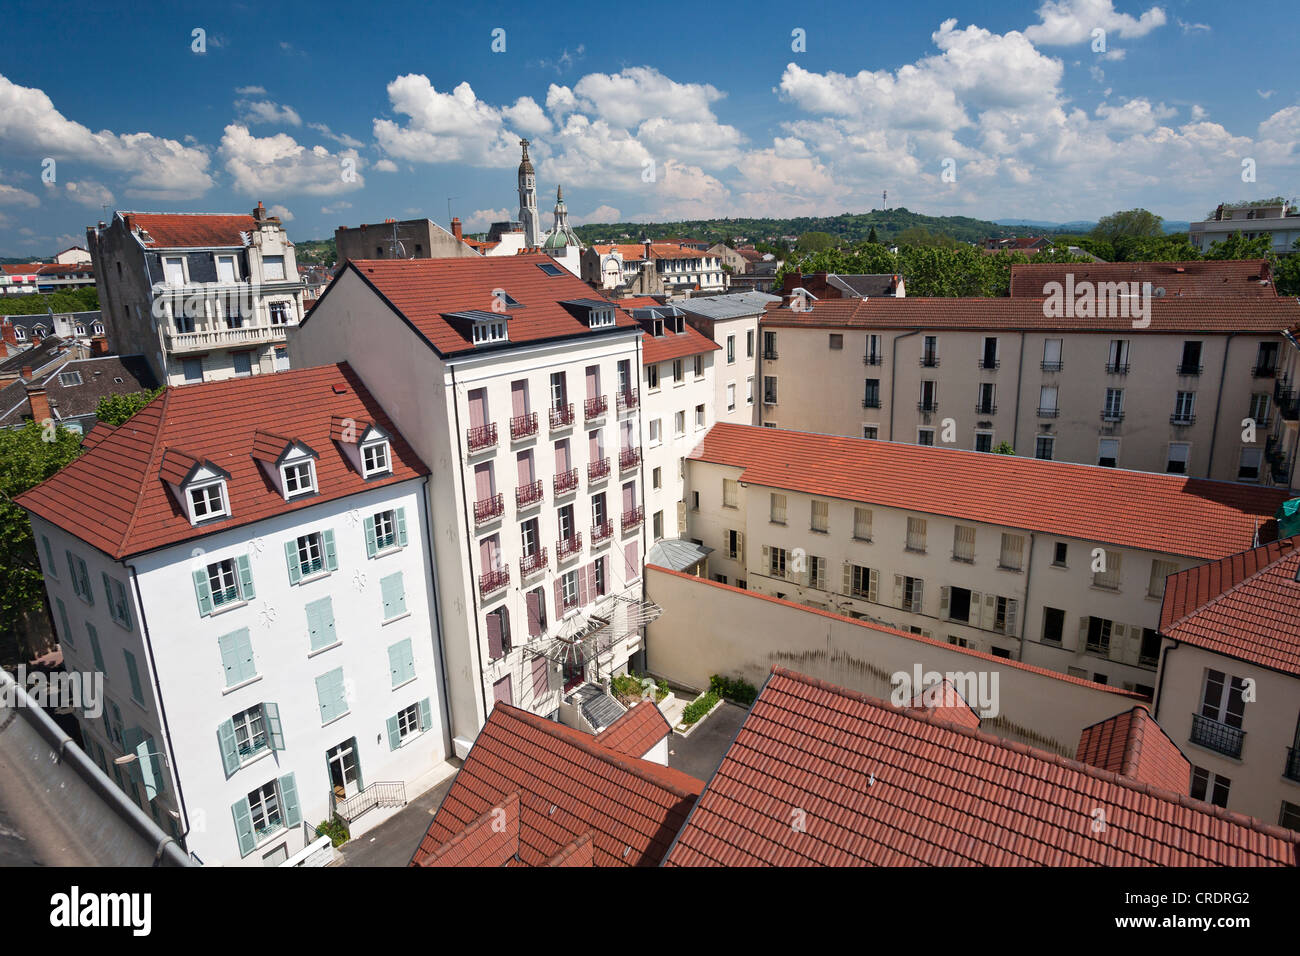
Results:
677 554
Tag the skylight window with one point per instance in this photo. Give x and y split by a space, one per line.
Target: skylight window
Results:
550 269
504 297
69 378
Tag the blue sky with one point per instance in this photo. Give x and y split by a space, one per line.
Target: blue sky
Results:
991 110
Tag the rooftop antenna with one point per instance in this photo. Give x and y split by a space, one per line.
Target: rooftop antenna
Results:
449 199
396 249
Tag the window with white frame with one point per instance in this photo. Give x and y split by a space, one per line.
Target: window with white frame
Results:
250 732
699 416
679 372
310 553
915 534
299 478
385 530
821 515
485 332
1176 462
223 582
699 366
408 722
1011 557
1160 570
655 428
273 268
1108 575
208 500
279 313
679 423
731 396
862 524
963 543
264 806
569 589
651 377
374 459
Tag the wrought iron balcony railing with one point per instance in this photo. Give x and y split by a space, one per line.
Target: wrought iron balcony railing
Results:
1217 736
523 426
602 532
566 548
530 564
561 416
489 582
628 400
484 436
489 508
594 408
633 518
529 494
629 458
566 481
598 470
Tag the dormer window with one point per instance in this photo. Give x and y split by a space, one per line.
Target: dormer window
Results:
374 459
602 318
299 478
485 332
208 501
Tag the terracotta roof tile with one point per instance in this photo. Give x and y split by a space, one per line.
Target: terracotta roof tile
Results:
1169 514
490 840
181 231
133 510
1202 277
942 796
944 701
1133 745
643 726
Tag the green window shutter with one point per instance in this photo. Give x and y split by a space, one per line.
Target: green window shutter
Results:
320 623
426 715
134 676
246 591
108 596
63 619
94 647
372 547
331 556
289 800
394 735
203 592
291 556
394 595
274 732
72 574
401 527
244 826
229 746
150 768
401 665
237 656
49 556
331 695
85 583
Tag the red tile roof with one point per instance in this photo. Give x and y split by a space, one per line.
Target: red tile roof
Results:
1246 606
819 775
1238 277
581 852
22 269
424 290
54 269
182 231
491 840
944 701
132 509
1133 745
1175 316
643 726
635 251
675 345
568 786
1169 514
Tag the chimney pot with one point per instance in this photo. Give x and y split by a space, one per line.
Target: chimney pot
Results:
40 403
456 227
27 372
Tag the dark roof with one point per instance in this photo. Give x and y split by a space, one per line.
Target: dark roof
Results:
99 379
819 775
37 357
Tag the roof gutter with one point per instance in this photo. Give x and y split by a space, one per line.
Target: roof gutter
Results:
893 375
1160 681
1218 404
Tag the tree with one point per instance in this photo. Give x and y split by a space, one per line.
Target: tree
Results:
28 456
1286 271
1237 246
871 236
1130 222
115 409
1004 448
815 242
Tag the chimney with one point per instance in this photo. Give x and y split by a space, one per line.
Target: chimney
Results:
27 373
39 401
260 212
99 345
456 228
7 334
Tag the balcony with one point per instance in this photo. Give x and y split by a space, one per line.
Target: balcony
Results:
489 509
179 342
1217 736
1051 366
988 364
530 564
481 438
929 361
629 458
595 408
597 470
1292 769
1048 412
985 408
1264 371
490 582
528 495
1182 420
1117 368
628 401
871 402
1190 371
566 548
1110 415
601 533
566 481
523 426
1284 395
871 360
769 355
633 518
930 406
561 416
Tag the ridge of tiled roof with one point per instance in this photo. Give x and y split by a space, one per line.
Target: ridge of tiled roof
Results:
1168 514
639 729
169 230
1133 745
580 852
568 785
134 511
952 706
1199 277
877 785
490 840
1255 617
1209 314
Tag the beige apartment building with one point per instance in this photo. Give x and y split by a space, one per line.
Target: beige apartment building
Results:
732 321
1229 682
1173 396
1053 564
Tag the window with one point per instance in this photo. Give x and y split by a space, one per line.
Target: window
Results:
485 332
699 366
862 524
925 436
929 396
299 478
679 372
498 635
1223 700
1117 363
769 345
816 572
1259 407
1052 355
174 270
192 369
273 268
984 441
321 632
1211 787
133 674
930 351
989 358
984 402
1044 447
656 478
769 389
731 350
242 362
963 543
749 343
1248 465
69 378
1114 408
307 555
777 514
408 722
222 582
915 534
1176 461
910 591
870 431
749 390
385 530
1108 452
1012 555
871 396
861 582
249 731
836 342
119 608
695 501
1097 636
821 515
1053 625
872 354
264 808
80 578
655 427
569 590
735 545
237 656
1191 363
729 492
279 313
1108 576
731 396
374 459
699 416
658 525
1059 552
776 562
1047 401
1149 652
1004 615
679 424
1290 816
1184 408
208 501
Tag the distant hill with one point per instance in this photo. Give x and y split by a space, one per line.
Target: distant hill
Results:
1080 226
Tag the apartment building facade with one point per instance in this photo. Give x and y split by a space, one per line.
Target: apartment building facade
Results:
732 321
204 297
1053 564
1280 222
521 391
1230 682
256 589
1172 397
677 269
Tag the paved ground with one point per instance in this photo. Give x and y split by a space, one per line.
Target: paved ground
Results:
701 752
394 841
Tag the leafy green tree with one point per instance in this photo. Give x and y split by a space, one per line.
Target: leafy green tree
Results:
871 236
815 242
1286 271
1129 222
115 409
1236 246
1004 448
28 456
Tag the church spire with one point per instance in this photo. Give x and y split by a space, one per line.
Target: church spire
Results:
528 215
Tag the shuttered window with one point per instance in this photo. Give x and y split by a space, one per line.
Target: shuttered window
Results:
729 496
393 592
862 524
1012 555
821 515
237 656
778 508
332 695
1159 571
916 534
1108 576
963 543
401 662
320 624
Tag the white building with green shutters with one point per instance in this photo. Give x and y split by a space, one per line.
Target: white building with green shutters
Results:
257 592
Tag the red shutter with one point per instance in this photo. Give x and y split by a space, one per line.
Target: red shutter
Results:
562 456
534 601
584 586
629 496
494 635
519 398
501 691
525 468
632 561
593 381
478 408
559 597
483 481
593 444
